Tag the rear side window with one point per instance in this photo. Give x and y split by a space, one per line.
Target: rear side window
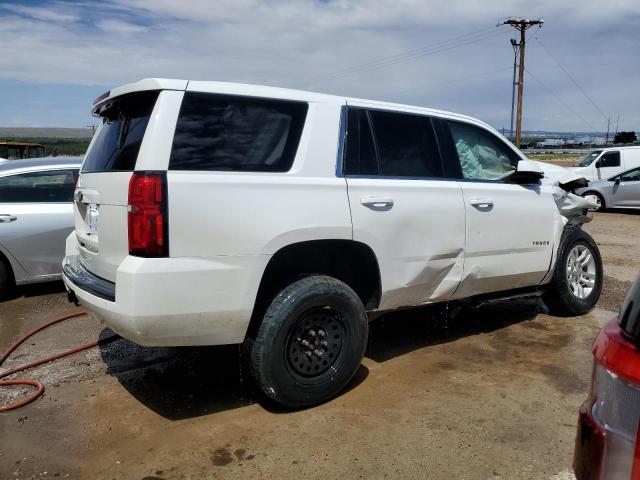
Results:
482 155
609 159
631 176
404 146
54 186
360 152
234 133
124 122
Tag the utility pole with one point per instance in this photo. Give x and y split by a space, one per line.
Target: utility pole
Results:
516 48
522 25
606 139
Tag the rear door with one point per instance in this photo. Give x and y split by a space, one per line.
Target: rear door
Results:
404 204
509 227
627 192
136 134
36 216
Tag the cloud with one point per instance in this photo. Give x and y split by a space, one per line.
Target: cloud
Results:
55 13
118 26
316 44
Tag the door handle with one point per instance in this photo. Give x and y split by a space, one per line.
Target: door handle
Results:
481 202
6 218
376 202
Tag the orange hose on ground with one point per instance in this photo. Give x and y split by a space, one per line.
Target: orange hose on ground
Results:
39 387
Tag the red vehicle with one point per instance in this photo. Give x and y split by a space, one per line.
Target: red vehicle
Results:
608 441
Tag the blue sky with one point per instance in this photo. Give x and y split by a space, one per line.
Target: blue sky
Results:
59 55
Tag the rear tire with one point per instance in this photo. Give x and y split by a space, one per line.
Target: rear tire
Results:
310 343
577 278
596 197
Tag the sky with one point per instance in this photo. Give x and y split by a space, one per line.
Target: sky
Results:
582 65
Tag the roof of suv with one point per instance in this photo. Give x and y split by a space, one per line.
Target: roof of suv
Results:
28 163
269 92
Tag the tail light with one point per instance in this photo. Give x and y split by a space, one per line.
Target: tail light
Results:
147 220
608 442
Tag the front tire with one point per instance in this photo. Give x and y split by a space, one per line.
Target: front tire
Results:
577 278
310 343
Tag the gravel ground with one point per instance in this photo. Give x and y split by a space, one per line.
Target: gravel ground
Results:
492 394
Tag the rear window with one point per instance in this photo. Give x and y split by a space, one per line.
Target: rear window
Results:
234 133
117 143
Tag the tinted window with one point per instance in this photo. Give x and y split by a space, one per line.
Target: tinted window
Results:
482 155
630 313
54 186
117 143
406 145
360 153
631 175
609 159
224 132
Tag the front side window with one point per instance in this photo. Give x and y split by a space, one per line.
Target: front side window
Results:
404 145
53 186
481 154
609 159
631 176
234 133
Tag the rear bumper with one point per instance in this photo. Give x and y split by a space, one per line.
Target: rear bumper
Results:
80 277
172 301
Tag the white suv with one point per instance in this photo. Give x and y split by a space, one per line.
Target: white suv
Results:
213 213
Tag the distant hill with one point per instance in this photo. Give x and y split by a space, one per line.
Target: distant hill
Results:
32 132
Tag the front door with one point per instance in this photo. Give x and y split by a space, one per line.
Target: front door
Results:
509 227
626 193
403 206
608 165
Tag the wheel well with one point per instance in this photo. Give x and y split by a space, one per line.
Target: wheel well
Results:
5 261
351 262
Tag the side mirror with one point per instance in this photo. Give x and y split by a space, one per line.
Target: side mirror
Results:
616 181
598 163
527 172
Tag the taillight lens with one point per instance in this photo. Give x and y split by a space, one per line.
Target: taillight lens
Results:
608 442
148 233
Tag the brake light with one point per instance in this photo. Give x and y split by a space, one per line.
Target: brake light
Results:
147 217
101 97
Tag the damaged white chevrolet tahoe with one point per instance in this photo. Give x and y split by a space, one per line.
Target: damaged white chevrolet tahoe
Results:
213 213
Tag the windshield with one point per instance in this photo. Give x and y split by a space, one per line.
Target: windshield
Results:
586 160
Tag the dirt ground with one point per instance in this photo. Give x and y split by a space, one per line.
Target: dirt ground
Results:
493 394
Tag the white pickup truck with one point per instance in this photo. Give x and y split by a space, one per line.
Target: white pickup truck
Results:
212 213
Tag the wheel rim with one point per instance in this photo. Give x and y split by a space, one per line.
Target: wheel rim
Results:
581 271
316 342
595 199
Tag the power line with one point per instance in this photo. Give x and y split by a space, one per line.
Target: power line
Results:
457 79
571 78
408 55
567 106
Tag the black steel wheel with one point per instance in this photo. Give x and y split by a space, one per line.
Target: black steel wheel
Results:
315 344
